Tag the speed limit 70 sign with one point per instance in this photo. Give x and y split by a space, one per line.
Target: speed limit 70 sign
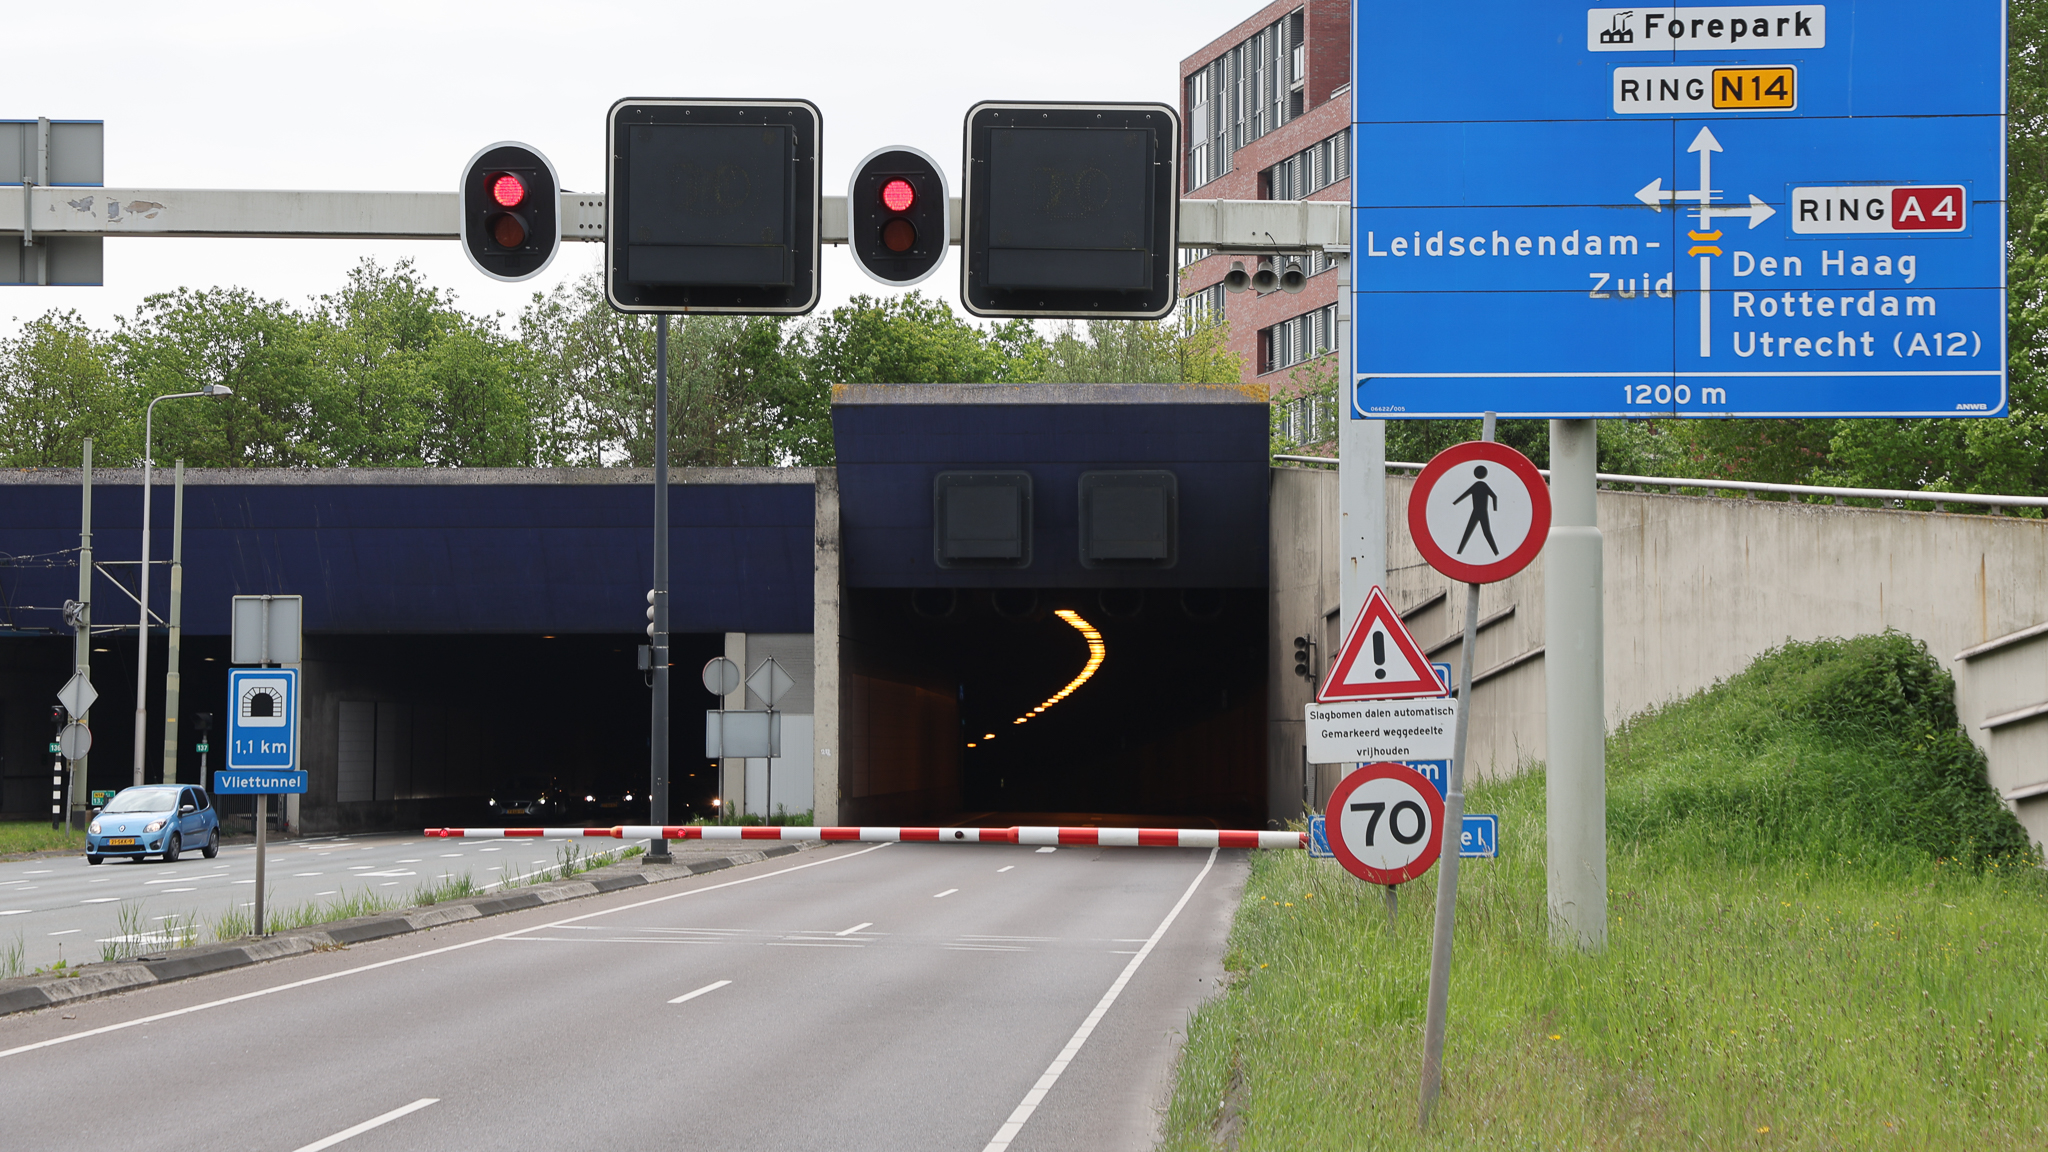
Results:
1385 823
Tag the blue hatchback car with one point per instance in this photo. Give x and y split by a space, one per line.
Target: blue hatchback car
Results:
154 820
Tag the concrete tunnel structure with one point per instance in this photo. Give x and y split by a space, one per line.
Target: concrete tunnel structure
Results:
471 635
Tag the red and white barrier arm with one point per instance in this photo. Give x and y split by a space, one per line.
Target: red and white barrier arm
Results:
1106 837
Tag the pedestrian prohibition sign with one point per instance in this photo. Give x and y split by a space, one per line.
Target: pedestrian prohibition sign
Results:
1384 822
1479 512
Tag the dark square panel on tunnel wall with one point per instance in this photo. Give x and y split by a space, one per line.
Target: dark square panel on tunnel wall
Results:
893 440
1128 519
981 519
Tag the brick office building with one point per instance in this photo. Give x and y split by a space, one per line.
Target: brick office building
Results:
1267 117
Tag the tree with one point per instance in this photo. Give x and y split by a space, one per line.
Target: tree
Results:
57 388
263 349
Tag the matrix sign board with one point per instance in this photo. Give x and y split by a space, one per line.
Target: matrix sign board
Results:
1735 210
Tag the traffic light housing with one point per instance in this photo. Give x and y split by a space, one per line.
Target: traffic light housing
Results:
712 206
511 211
1070 211
1302 647
896 216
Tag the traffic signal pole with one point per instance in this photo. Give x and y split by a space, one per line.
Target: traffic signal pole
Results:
657 783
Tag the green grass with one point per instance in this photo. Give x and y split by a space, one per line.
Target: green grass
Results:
1824 933
37 836
782 817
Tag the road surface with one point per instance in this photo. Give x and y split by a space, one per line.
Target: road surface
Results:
905 996
58 907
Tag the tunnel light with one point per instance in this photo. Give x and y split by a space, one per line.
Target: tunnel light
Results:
1096 651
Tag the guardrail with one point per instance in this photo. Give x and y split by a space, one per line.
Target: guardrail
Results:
1674 483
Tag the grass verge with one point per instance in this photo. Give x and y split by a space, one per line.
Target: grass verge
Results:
1825 933
17 836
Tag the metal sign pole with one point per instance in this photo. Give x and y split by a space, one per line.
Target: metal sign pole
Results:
657 784
1575 782
262 818
1447 874
81 644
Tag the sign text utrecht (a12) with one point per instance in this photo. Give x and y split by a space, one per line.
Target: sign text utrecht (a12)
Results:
1737 210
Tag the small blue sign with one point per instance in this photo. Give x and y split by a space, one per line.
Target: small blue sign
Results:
263 718
1319 839
1480 837
258 783
1564 210
1437 772
1443 675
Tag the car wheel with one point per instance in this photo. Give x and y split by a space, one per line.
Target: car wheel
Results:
171 849
92 859
212 848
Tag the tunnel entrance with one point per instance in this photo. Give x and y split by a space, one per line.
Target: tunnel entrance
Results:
1055 705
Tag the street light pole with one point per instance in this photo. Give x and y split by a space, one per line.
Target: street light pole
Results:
142 628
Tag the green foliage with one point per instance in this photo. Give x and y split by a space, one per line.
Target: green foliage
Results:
58 388
1846 749
37 836
1170 351
1824 932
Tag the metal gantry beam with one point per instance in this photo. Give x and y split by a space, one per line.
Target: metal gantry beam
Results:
1249 227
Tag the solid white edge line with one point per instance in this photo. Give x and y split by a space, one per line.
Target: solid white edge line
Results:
699 992
366 1125
1033 1098
286 987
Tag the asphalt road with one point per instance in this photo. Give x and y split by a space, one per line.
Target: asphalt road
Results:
904 996
59 907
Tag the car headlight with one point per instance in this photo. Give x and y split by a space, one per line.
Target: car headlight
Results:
93 827
493 803
542 800
590 799
155 826
629 795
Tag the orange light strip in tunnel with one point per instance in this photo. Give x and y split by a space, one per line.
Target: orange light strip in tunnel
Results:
1096 651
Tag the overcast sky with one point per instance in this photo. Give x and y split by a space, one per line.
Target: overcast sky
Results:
397 96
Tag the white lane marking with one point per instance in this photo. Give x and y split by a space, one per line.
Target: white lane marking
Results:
941 895
856 928
1048 848
413 861
813 944
38 871
1005 868
449 855
322 979
68 932
100 900
16 911
1123 951
699 992
309 874
1015 1124
245 881
977 936
170 890
329 892
365 1126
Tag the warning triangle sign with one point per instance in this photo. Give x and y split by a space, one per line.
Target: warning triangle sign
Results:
1379 660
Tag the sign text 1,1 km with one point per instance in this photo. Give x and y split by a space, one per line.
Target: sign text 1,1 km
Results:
1675 211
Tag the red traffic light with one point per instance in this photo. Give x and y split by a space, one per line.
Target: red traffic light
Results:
507 190
898 196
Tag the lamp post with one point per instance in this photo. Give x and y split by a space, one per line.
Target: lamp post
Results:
142 629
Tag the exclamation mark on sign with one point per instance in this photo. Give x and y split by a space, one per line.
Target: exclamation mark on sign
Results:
1379 655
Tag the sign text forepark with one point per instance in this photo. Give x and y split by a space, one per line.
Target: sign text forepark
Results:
1738 210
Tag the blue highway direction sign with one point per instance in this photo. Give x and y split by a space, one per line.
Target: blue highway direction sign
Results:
264 783
1742 210
263 718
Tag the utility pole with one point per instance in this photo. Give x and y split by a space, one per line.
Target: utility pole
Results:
171 675
657 769
81 644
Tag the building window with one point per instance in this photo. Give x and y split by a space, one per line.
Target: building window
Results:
1203 307
1249 90
1189 257
1308 419
1310 170
1303 338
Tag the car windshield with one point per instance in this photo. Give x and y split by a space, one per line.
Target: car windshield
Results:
143 800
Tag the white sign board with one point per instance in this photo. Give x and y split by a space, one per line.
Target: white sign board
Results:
1369 730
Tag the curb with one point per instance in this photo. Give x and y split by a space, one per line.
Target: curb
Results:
27 993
